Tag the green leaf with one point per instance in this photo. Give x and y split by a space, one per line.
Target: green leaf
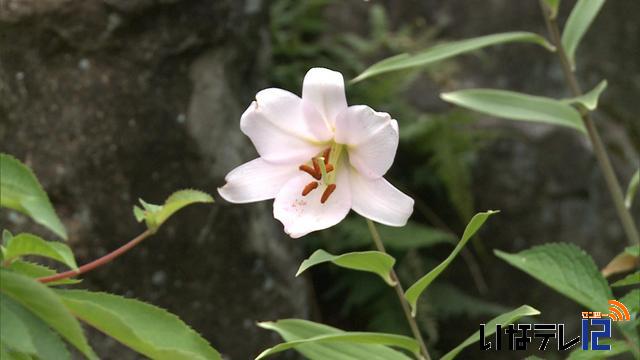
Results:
21 191
47 306
29 244
632 189
490 328
13 331
448 50
577 25
631 279
6 236
630 300
517 106
590 99
34 270
47 343
567 269
421 285
147 329
372 261
411 236
296 329
156 215
617 347
348 337
553 7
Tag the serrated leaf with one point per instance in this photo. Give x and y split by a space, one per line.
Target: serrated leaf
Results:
617 347
13 331
296 329
631 279
156 215
632 301
147 329
567 269
400 341
47 306
22 192
632 189
517 106
376 262
48 344
448 50
411 236
413 293
577 25
34 270
590 99
490 328
29 244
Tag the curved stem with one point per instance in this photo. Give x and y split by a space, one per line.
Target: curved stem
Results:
98 262
598 147
400 292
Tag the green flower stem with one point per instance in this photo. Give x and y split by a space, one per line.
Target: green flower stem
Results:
98 262
400 292
598 147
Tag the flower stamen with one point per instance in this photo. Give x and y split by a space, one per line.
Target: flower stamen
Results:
327 192
316 166
315 174
309 187
325 155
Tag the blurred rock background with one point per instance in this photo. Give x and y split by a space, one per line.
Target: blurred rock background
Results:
110 101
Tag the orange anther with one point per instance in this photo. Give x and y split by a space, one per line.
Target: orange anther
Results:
325 155
309 187
316 167
329 167
327 192
310 171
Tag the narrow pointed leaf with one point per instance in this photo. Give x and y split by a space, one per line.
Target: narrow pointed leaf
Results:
490 328
448 50
621 263
34 270
156 215
581 17
400 341
48 345
376 262
632 189
590 99
29 244
567 269
47 306
414 292
22 192
147 329
295 329
517 106
631 279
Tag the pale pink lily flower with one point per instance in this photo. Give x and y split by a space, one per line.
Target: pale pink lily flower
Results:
319 158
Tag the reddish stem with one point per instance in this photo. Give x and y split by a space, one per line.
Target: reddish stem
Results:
98 262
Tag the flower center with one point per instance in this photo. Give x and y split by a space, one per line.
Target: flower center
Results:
322 169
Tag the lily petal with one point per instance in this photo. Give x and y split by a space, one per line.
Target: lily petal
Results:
378 200
274 138
372 138
255 180
324 89
301 215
